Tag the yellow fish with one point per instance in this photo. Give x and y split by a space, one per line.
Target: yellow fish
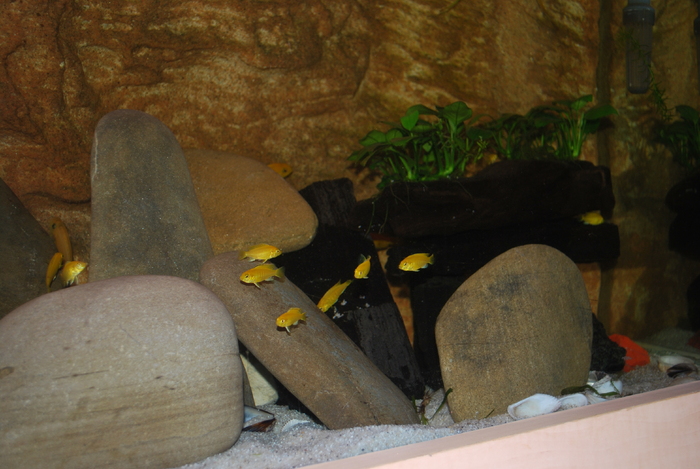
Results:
262 273
70 272
416 261
52 270
382 241
362 270
260 252
62 239
331 296
592 218
282 169
291 318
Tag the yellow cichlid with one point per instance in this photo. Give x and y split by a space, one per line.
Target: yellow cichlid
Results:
62 239
291 318
260 252
52 270
592 218
282 169
70 272
262 273
414 262
362 270
331 296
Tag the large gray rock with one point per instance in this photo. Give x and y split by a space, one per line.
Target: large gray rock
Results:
246 203
319 364
521 325
145 215
130 372
25 250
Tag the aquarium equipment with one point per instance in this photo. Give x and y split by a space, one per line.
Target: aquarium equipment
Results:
638 18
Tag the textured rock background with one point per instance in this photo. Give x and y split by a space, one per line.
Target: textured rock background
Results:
301 82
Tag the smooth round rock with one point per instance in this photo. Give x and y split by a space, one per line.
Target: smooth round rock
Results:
245 203
521 325
130 372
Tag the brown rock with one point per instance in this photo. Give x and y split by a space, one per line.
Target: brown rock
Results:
130 372
25 250
315 361
245 203
521 325
145 216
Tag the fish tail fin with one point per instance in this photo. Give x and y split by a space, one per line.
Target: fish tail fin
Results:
431 259
241 255
279 273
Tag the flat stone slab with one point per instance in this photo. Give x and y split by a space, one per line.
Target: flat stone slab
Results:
316 362
130 372
25 250
145 215
245 203
519 326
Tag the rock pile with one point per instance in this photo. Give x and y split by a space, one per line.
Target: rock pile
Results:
145 368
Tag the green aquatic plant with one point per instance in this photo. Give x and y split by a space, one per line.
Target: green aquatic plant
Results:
561 128
556 131
682 137
427 144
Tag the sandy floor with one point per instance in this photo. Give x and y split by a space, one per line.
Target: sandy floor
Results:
296 441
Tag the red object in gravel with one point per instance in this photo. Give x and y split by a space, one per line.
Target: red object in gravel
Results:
635 356
695 340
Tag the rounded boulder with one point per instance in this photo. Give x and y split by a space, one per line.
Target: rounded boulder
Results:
132 372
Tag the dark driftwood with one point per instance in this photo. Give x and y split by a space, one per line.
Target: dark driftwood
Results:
366 311
332 201
503 194
465 253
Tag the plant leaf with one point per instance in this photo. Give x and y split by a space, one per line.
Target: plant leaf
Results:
374 136
409 120
422 110
599 112
580 103
455 114
393 134
688 113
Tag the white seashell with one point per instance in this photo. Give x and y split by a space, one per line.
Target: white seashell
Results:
293 423
667 361
573 400
594 398
537 404
607 385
